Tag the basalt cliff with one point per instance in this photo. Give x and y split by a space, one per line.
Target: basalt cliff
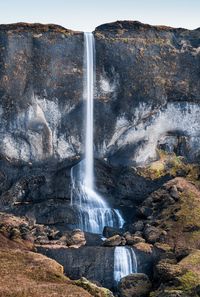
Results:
146 146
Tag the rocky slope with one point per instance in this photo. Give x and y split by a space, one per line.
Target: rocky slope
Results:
35 274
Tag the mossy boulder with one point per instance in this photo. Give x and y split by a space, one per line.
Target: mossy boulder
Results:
166 270
191 278
93 289
135 285
176 213
182 279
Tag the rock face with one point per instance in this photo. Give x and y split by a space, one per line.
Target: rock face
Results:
140 117
147 98
40 87
96 263
42 111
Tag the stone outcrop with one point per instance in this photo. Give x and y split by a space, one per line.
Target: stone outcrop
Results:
135 285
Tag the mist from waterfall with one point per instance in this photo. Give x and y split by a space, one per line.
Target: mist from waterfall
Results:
125 262
93 212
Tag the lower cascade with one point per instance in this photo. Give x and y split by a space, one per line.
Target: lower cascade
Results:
125 262
93 212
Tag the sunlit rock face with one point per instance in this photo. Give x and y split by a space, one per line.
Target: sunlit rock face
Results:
41 90
148 91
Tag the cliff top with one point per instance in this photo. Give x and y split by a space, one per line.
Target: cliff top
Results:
36 27
113 27
136 25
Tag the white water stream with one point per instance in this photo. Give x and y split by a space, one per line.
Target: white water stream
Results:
93 211
125 262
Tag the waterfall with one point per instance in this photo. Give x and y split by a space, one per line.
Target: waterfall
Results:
94 212
125 262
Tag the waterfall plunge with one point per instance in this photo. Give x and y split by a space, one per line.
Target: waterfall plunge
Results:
125 262
93 212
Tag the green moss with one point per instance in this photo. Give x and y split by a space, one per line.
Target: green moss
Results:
189 280
170 164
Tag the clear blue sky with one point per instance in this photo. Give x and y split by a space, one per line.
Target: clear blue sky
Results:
85 15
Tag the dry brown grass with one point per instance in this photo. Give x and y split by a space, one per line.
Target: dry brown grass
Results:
27 274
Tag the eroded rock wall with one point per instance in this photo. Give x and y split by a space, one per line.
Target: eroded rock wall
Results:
147 97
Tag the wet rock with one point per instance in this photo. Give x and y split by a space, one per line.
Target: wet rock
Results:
135 285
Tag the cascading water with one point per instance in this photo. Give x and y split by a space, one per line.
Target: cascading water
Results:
125 262
94 213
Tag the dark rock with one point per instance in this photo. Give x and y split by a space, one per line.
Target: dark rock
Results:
95 263
110 231
145 211
181 253
93 239
135 285
137 226
15 233
152 234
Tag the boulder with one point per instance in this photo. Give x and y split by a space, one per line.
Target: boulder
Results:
135 285
93 289
113 241
167 270
145 211
144 247
137 226
75 238
110 231
133 239
152 234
